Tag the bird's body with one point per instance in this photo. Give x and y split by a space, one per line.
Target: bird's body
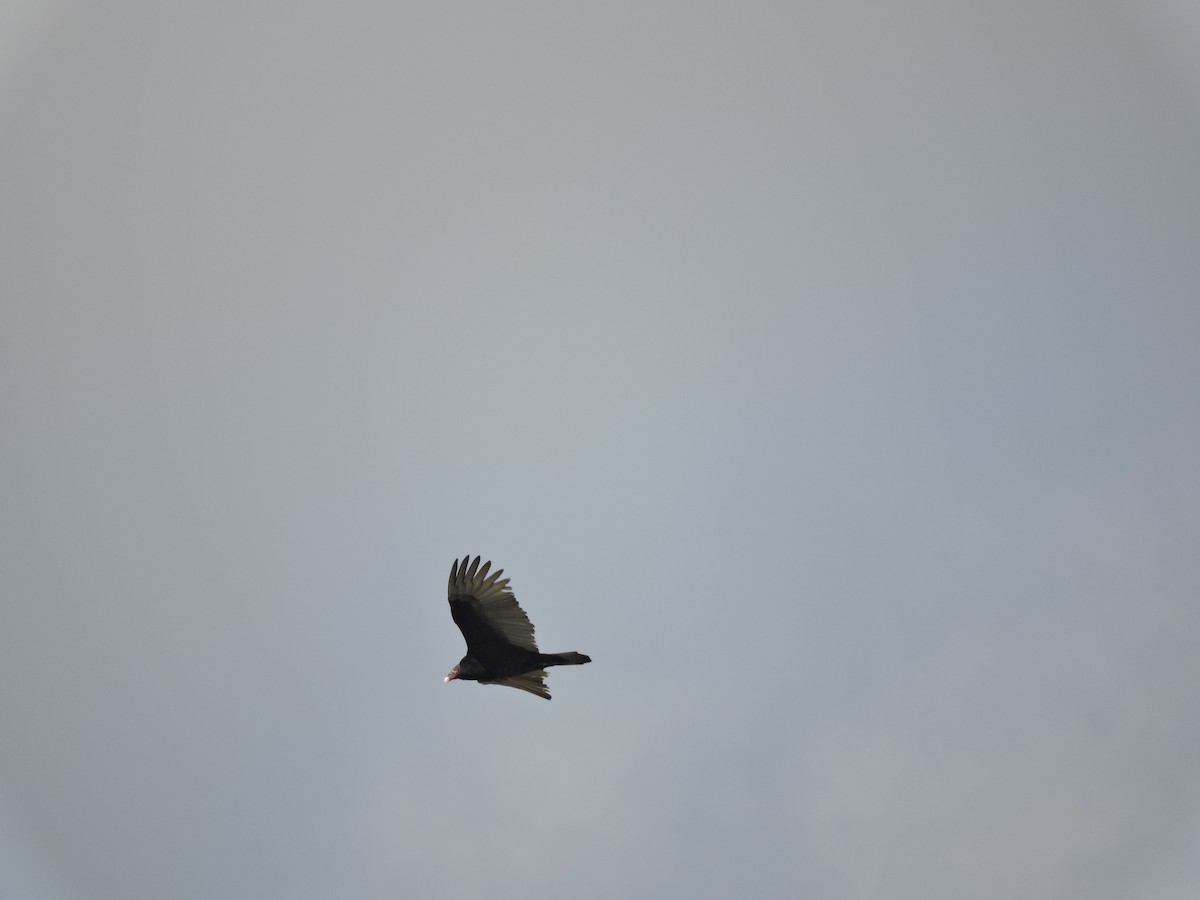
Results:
499 636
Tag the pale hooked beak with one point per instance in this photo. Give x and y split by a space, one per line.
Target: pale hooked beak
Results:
453 674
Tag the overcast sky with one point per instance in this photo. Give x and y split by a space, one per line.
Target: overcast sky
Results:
828 372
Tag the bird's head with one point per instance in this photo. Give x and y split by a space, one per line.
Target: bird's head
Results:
453 674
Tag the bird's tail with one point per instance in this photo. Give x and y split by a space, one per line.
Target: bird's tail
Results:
564 659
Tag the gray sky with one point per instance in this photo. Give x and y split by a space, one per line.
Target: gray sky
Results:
826 371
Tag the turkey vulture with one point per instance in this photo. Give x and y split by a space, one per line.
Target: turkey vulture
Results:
500 645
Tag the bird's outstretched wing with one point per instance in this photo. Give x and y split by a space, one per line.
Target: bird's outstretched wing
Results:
486 611
529 681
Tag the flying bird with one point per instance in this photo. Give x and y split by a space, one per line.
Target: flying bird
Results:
500 645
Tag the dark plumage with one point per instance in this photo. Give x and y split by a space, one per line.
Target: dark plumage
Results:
500 645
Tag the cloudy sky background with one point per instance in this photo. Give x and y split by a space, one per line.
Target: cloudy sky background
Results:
827 371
